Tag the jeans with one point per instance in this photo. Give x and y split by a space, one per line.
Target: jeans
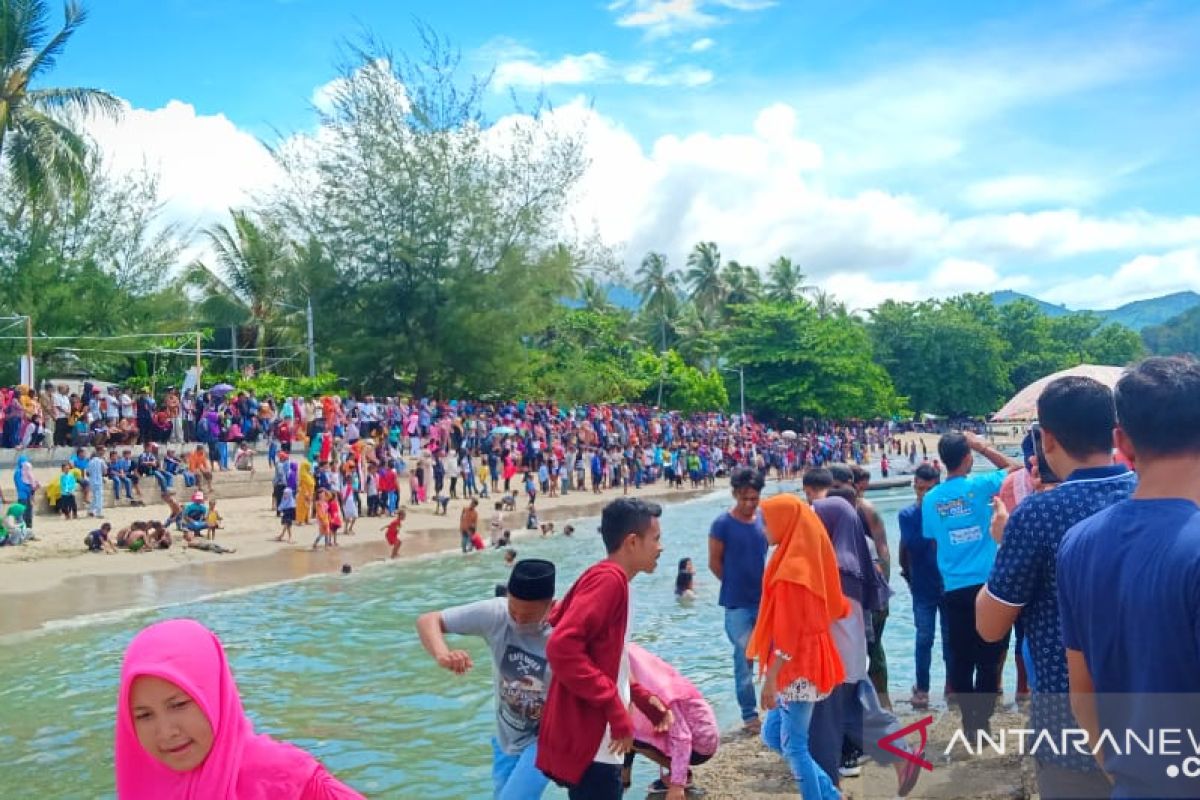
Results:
515 777
974 663
599 782
118 483
926 612
739 624
96 507
786 731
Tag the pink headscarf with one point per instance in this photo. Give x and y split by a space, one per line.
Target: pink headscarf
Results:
242 765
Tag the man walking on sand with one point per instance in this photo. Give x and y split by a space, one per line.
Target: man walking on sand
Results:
737 555
586 729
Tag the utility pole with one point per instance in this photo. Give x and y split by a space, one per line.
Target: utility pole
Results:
29 349
312 353
742 391
198 362
233 345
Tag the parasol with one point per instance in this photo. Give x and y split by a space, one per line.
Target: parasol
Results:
1023 406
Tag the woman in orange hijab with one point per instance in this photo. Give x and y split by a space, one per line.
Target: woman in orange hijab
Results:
801 598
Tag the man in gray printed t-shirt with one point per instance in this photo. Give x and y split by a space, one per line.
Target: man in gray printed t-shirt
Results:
516 631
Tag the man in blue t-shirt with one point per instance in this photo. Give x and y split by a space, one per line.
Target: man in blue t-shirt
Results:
957 515
918 566
737 554
1077 418
1129 591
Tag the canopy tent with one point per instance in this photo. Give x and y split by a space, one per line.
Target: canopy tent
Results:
1023 406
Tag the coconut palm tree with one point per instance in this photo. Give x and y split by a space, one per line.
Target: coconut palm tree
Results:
705 283
594 295
743 284
785 281
256 266
42 152
658 286
827 305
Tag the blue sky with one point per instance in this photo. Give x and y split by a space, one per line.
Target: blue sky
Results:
895 149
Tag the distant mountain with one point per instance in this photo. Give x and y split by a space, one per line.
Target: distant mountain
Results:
1049 309
1136 315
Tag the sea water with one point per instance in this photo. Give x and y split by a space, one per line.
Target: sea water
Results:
333 664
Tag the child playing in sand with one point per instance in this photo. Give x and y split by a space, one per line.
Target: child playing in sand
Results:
287 514
213 520
176 516
244 460
97 541
393 531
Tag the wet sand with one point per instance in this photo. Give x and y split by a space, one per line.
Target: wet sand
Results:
55 578
744 769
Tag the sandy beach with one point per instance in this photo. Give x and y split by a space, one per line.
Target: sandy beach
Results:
744 769
55 578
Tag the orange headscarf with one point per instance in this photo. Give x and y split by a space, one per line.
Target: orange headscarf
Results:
801 597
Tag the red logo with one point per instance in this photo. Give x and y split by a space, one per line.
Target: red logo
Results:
918 726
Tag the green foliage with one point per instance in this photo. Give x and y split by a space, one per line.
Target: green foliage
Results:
1177 336
685 388
586 356
277 386
801 364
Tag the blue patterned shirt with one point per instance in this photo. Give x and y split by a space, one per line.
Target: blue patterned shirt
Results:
1024 576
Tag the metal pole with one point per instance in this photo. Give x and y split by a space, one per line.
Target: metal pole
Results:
662 354
312 353
742 389
29 348
198 363
233 345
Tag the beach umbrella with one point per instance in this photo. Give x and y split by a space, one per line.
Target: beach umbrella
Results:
502 430
1023 406
789 434
220 389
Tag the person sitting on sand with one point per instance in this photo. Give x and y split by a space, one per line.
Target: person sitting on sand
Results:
134 537
244 459
287 514
160 537
97 541
15 532
195 514
181 730
692 735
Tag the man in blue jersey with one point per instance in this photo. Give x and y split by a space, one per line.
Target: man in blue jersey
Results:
957 515
1077 418
1129 591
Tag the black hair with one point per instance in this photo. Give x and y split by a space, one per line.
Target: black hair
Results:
819 478
346 569
624 516
860 473
1081 414
927 472
953 450
841 473
683 580
847 493
501 590
1158 406
747 478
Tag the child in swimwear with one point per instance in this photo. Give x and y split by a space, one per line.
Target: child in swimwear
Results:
393 531
213 520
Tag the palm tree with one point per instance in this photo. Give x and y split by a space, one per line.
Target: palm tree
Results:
43 153
827 305
594 296
785 281
743 284
256 269
658 285
705 283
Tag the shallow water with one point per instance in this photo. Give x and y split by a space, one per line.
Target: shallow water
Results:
332 663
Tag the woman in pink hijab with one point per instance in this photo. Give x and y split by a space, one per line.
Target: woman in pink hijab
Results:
182 733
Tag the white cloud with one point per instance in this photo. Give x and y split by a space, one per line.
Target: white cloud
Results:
668 17
700 45
1142 277
206 164
592 68
1022 191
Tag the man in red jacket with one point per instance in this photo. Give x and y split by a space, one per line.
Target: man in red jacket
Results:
586 729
